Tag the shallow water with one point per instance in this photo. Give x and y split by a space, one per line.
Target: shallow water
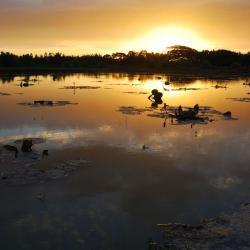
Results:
185 174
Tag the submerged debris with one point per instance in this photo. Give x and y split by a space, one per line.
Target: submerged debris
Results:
246 84
220 87
4 94
184 89
159 115
119 84
180 115
3 176
228 114
130 110
136 93
25 145
33 139
45 153
26 84
43 103
190 114
81 87
144 147
41 196
245 99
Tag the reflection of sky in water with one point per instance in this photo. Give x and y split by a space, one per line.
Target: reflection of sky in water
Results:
195 172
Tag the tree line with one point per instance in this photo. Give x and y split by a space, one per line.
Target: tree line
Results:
175 58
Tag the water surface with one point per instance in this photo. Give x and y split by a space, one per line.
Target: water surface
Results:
185 174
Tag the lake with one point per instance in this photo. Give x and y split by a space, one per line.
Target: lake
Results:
144 167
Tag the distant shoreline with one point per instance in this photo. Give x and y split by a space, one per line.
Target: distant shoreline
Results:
178 60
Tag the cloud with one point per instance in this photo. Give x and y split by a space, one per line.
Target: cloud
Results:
52 3
90 3
107 24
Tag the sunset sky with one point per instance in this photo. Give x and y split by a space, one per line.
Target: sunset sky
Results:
106 26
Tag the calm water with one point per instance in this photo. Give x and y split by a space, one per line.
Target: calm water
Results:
185 174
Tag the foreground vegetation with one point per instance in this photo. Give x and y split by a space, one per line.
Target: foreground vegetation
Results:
177 58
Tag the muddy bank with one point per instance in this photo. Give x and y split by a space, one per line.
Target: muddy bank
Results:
33 167
227 231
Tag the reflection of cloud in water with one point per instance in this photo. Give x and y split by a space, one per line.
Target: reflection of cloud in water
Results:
188 145
105 128
210 152
53 137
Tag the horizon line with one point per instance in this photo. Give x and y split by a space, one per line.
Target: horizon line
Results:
124 52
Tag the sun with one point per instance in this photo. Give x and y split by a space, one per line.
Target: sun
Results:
158 39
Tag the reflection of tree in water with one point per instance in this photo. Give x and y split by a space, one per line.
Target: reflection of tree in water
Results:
180 79
7 78
59 77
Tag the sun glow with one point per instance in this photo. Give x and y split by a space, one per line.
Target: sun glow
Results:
157 40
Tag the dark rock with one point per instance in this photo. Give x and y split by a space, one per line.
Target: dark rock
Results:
41 196
27 146
44 103
45 153
11 148
39 102
220 87
3 176
228 114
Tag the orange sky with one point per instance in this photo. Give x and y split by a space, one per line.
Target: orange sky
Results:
106 26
